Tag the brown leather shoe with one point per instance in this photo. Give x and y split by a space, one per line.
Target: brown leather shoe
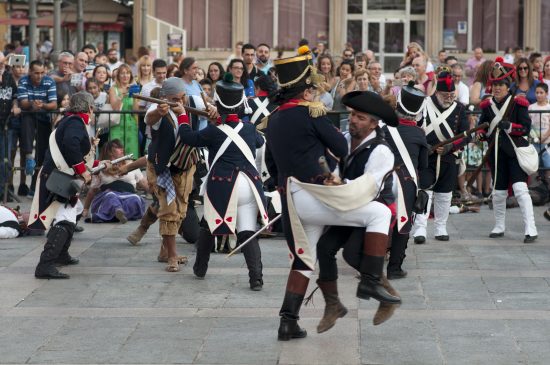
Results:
334 309
385 310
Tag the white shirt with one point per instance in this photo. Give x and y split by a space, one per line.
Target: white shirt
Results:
462 93
114 66
380 161
146 91
5 216
541 122
132 177
156 126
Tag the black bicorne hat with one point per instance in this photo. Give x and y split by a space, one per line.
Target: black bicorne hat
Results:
371 103
445 82
297 71
229 94
410 100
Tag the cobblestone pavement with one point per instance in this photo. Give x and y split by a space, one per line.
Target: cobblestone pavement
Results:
472 300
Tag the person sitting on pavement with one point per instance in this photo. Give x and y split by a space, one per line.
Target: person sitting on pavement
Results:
113 197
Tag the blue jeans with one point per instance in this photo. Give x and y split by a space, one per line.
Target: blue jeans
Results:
545 156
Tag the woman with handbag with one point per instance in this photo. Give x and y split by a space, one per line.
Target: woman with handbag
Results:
509 127
120 99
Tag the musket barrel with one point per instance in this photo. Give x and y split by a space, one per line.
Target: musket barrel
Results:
172 104
460 135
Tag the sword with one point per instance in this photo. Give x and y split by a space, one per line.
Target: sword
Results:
102 166
253 236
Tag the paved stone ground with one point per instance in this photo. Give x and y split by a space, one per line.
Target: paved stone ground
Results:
472 300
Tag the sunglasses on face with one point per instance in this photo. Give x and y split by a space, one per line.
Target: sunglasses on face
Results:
523 68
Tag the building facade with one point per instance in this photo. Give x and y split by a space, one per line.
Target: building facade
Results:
384 26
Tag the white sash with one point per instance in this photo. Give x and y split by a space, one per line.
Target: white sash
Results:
221 151
437 119
499 114
58 159
403 152
233 134
57 156
402 217
261 110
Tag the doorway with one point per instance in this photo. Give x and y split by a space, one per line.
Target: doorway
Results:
387 39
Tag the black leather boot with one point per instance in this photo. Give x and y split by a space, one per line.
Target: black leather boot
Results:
296 287
64 257
371 268
334 309
397 255
56 239
253 258
370 285
204 245
288 327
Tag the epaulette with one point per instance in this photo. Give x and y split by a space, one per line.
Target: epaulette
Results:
485 104
265 120
521 100
316 108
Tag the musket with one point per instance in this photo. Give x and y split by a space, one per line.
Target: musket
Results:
188 109
459 136
483 163
102 166
253 236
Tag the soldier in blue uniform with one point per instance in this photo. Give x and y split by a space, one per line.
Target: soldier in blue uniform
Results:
408 142
233 193
509 122
443 118
297 135
71 152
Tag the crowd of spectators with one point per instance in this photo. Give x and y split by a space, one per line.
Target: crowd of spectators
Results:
38 90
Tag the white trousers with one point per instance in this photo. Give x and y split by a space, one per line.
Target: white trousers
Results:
247 208
421 220
315 215
442 204
521 191
66 212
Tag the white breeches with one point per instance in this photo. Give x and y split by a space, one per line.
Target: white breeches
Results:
315 215
68 213
247 208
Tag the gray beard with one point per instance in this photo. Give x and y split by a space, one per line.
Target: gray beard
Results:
443 103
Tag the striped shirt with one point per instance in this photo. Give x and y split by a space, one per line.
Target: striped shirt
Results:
45 92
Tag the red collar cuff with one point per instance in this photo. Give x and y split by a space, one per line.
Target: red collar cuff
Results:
85 117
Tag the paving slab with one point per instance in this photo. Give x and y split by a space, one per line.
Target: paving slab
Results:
472 300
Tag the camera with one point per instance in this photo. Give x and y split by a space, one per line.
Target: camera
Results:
17 60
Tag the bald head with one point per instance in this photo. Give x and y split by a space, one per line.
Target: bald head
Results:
80 62
478 53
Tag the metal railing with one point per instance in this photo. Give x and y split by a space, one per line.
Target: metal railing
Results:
339 119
